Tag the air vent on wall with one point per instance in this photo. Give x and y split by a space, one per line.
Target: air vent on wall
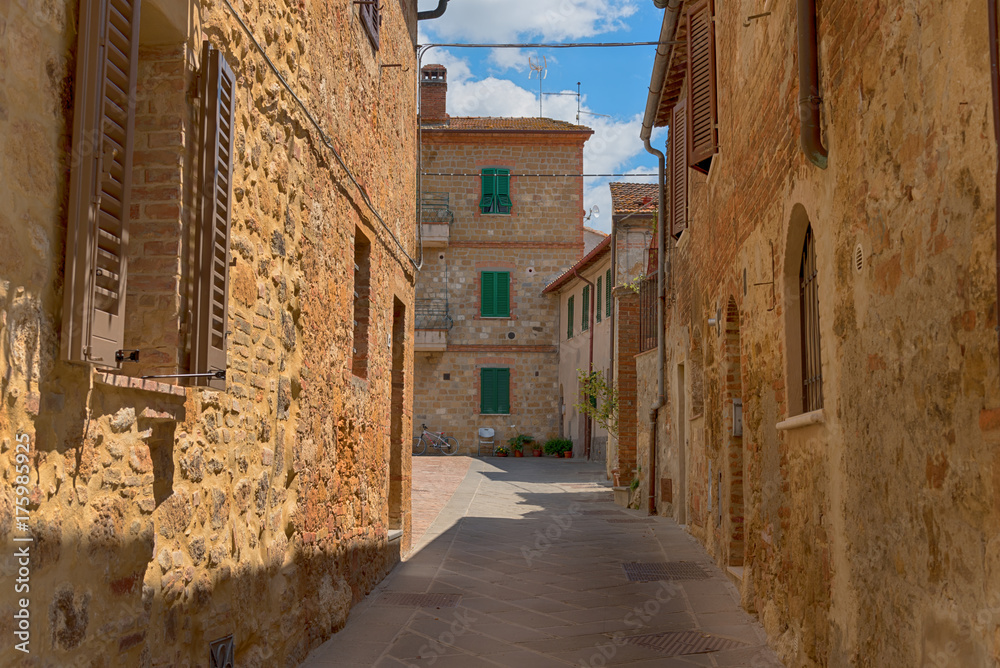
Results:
859 258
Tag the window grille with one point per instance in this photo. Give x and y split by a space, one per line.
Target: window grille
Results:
812 371
647 315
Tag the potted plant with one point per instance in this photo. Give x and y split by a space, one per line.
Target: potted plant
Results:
559 447
501 451
536 450
517 444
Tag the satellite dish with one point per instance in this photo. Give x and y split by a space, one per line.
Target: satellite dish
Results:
595 211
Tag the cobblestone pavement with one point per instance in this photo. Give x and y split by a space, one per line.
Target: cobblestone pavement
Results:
527 565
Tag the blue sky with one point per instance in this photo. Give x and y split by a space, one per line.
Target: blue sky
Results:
486 82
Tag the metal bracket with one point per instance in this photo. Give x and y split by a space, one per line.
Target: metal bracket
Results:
132 356
217 375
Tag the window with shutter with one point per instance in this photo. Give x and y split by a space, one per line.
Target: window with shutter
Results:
677 170
495 294
208 348
569 318
812 364
607 293
100 181
371 19
597 309
494 391
585 309
703 133
495 196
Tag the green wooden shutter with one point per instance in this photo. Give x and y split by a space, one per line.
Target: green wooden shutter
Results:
503 188
597 311
489 190
607 293
502 301
569 318
487 391
585 310
488 301
503 390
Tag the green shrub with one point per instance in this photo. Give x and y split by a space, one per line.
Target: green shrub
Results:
518 442
557 446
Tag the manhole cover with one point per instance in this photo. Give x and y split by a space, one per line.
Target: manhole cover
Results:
683 642
420 600
605 498
609 511
631 521
663 570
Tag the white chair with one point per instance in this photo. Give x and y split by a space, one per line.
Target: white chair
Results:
487 439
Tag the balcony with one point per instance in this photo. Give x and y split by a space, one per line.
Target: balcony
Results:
431 322
435 219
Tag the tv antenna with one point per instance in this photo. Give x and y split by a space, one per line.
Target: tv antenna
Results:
542 70
579 96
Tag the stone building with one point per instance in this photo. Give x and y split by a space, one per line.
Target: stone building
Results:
220 189
586 314
497 228
832 415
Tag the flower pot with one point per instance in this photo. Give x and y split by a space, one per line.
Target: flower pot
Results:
536 453
518 453
501 454
568 454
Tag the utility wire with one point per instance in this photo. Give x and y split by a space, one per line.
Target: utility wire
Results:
548 45
323 135
538 176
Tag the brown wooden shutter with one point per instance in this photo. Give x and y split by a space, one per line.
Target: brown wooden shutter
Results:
208 350
100 181
371 19
703 135
677 168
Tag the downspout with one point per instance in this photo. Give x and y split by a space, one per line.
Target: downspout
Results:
435 13
663 52
589 435
809 97
995 78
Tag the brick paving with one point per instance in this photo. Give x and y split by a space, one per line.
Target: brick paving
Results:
512 572
435 479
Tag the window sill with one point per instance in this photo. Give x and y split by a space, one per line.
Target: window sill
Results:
395 535
493 414
134 383
802 420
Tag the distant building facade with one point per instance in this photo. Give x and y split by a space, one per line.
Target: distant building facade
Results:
495 234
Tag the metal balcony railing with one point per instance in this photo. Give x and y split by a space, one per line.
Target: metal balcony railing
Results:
436 208
432 314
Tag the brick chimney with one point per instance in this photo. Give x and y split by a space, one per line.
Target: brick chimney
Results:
433 94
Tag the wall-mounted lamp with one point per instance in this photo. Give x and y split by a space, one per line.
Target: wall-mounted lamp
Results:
716 321
594 212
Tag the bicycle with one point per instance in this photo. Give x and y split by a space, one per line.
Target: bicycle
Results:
446 445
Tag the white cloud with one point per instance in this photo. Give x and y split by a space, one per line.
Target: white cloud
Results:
511 20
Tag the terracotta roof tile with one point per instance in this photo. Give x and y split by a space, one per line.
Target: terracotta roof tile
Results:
632 197
503 123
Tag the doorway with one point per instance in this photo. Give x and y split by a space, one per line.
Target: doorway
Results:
396 413
681 431
734 408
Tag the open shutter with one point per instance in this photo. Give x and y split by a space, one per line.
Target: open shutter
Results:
488 293
487 391
489 190
503 294
569 318
678 170
100 181
597 311
703 132
585 309
607 293
215 181
503 391
503 189
371 19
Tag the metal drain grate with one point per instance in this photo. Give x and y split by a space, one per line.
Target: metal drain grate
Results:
420 600
663 570
609 511
683 642
630 521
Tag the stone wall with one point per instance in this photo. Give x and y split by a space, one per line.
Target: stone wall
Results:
163 516
870 536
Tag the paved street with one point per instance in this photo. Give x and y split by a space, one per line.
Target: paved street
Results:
524 567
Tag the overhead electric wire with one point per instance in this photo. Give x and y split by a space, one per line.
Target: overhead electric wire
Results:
323 136
546 45
540 176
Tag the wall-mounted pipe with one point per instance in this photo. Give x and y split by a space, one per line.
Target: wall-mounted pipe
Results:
809 97
660 307
995 85
435 13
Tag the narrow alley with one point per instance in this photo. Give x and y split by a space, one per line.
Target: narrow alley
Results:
526 565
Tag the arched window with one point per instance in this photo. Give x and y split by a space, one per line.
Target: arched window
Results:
812 368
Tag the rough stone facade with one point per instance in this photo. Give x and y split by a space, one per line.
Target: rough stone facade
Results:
865 533
540 237
165 516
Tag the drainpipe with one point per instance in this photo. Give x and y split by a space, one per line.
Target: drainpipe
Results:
995 78
663 53
589 431
435 13
809 97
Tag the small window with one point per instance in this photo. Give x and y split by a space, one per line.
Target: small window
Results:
812 368
496 191
371 19
597 309
494 391
569 318
585 309
362 302
607 293
495 297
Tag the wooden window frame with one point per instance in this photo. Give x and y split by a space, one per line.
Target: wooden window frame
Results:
371 20
607 293
809 332
494 379
494 294
569 317
702 84
495 192
598 295
677 170
585 310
